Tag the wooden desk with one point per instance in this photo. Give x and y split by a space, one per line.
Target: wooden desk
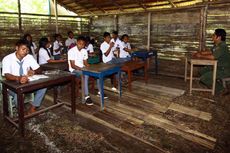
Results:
145 55
20 89
200 62
58 66
100 71
130 66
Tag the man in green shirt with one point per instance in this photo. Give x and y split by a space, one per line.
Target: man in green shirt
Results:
220 53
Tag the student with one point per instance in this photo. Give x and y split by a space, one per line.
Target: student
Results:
18 66
57 47
32 45
220 53
117 44
89 46
44 54
71 41
125 48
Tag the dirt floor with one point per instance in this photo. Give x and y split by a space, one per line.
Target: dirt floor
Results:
145 120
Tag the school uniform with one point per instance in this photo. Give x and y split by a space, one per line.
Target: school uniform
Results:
104 47
124 55
89 48
33 47
44 56
117 43
12 65
78 57
57 45
69 42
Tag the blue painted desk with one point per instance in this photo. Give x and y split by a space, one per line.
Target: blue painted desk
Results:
100 71
144 55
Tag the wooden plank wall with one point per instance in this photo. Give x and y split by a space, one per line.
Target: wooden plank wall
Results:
37 26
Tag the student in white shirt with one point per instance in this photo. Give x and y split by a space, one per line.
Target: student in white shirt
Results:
70 41
18 66
117 44
77 59
89 46
44 54
33 47
125 48
57 46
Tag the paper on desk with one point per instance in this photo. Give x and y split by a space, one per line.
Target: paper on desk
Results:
37 77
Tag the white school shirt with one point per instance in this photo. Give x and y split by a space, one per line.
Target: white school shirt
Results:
123 53
70 41
89 48
77 56
44 56
56 46
104 47
10 65
117 43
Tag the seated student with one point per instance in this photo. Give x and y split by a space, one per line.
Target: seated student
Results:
117 44
125 48
33 47
18 66
70 41
77 59
44 54
220 53
89 46
57 46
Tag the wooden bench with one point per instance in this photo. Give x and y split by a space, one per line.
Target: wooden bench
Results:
130 66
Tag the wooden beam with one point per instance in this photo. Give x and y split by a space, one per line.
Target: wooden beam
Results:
116 4
173 5
149 31
56 15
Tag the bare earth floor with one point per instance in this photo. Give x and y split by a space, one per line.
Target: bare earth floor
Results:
156 117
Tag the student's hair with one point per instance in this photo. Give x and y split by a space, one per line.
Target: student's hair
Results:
56 35
30 42
87 39
69 32
21 42
81 38
123 36
106 34
42 44
221 33
115 32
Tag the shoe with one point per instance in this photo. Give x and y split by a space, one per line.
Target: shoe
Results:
88 101
114 89
99 95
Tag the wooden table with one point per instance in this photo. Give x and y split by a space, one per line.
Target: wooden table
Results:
100 71
58 66
130 66
145 55
20 89
205 62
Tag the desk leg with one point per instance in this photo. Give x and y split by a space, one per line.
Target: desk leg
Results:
82 88
5 101
146 74
119 84
129 79
185 69
214 79
191 75
101 81
73 97
21 113
156 64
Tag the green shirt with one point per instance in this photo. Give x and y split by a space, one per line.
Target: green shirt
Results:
222 55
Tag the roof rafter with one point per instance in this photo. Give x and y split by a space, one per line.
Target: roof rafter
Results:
173 5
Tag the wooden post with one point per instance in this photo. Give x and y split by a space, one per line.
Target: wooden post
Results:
149 31
203 22
115 22
19 16
56 15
